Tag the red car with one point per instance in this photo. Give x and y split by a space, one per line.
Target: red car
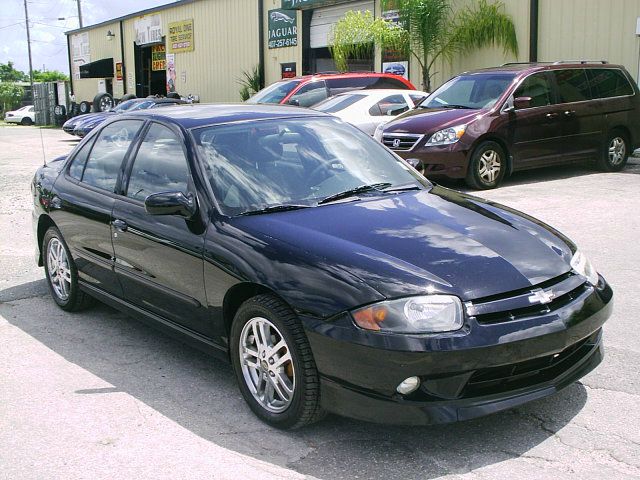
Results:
308 90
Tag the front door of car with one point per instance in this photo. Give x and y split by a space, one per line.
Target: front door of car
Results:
535 132
87 195
158 258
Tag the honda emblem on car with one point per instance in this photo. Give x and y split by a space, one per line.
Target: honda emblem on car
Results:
396 142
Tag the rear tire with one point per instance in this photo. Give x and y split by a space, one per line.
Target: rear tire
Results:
616 152
62 274
487 166
282 387
26 121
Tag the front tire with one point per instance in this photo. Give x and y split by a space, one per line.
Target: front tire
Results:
487 166
62 274
616 152
274 365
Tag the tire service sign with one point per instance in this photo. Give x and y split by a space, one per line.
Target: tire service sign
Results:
283 28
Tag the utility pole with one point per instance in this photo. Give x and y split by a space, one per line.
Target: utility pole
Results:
79 14
26 18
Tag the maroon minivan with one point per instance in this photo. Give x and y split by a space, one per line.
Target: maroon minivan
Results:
485 124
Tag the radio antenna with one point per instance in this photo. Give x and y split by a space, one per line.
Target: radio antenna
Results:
44 158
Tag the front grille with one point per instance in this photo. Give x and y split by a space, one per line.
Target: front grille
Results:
537 300
488 381
400 141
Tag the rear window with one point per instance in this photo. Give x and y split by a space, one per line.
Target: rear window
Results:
573 85
275 92
335 104
340 85
608 82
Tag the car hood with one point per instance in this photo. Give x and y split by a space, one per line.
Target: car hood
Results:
428 241
425 120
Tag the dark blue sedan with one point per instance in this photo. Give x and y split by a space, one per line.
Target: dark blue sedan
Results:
328 272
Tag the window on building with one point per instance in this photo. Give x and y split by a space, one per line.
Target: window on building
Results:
160 165
108 152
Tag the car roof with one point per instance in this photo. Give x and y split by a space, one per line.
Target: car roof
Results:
530 67
201 114
323 75
379 92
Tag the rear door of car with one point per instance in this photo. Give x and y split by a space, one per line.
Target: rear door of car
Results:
87 195
158 258
535 133
582 117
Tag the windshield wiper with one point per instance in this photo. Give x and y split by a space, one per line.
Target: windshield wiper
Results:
354 191
274 208
461 107
403 188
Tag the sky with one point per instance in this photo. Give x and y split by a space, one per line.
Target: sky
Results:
48 41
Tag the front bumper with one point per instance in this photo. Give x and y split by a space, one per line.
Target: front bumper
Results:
450 161
482 369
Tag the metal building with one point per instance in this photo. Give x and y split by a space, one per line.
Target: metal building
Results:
203 46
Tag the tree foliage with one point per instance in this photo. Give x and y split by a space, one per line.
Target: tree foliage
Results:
9 74
427 30
250 83
10 95
49 76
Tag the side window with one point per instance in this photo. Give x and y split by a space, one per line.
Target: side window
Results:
417 98
538 88
77 164
108 152
608 83
386 82
310 94
160 165
340 85
391 105
573 85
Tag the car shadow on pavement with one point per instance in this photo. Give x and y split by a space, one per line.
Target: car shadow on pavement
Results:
545 174
200 394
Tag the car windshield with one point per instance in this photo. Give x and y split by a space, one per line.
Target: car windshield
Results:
124 106
297 163
142 105
337 103
274 93
475 91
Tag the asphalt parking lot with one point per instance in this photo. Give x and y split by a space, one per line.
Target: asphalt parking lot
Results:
99 395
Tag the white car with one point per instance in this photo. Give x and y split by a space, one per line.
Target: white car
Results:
366 109
23 116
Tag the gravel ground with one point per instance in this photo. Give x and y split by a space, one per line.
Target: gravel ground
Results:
99 395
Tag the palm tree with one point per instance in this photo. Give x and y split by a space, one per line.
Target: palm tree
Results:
427 30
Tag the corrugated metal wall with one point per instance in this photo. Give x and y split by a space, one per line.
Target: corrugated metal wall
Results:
226 43
590 29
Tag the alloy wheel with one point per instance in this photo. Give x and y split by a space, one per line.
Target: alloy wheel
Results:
59 269
617 151
489 166
267 365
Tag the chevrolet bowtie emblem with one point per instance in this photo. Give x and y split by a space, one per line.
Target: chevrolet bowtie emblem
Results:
540 296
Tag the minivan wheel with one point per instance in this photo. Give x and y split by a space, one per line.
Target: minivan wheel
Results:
616 153
61 273
273 363
487 166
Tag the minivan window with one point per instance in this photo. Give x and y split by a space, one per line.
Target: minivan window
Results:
538 88
469 91
573 85
108 152
609 82
309 94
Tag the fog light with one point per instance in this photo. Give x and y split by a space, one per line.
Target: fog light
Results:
414 162
408 385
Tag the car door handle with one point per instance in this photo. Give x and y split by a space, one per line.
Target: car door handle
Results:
568 113
551 116
120 225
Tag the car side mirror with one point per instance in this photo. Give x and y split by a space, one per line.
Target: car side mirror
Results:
171 203
521 102
294 102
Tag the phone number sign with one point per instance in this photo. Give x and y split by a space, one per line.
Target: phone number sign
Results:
283 28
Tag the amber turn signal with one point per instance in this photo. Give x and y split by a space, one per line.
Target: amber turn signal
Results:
370 318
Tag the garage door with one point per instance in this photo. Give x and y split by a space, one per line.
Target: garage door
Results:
324 18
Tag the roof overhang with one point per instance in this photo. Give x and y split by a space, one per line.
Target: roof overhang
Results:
98 69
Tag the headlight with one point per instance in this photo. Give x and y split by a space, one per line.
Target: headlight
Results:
425 314
378 133
581 264
447 136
